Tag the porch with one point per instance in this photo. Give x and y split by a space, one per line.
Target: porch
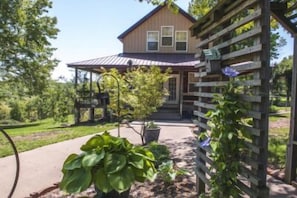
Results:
179 102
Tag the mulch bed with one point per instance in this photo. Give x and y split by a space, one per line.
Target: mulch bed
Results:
184 186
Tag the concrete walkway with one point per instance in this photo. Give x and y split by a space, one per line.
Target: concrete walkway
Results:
41 168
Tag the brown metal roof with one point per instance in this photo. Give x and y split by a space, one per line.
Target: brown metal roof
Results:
121 61
154 11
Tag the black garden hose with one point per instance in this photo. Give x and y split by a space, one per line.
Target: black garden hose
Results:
17 163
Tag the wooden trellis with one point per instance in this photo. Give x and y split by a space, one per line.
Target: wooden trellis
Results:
247 50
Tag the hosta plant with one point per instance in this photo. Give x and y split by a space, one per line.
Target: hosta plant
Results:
110 163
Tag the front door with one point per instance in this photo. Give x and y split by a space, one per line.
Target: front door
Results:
172 85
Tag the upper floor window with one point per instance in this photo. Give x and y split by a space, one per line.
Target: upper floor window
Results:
152 41
181 40
167 36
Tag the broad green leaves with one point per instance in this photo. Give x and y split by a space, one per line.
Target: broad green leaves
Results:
76 180
226 136
112 163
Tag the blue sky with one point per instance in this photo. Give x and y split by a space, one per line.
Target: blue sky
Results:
89 29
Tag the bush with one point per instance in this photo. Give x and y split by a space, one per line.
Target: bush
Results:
4 111
273 109
17 111
161 153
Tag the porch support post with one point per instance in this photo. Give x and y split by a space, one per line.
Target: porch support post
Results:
181 97
91 109
76 102
291 163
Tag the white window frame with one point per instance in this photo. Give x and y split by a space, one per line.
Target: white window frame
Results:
147 41
172 34
186 41
194 80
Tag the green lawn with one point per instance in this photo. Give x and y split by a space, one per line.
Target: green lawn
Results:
33 135
37 134
278 138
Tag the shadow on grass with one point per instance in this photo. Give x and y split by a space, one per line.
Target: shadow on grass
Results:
279 115
15 126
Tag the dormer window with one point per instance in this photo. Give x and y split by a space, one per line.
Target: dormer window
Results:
181 41
167 36
152 41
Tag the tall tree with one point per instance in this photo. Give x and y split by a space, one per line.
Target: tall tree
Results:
25 49
199 8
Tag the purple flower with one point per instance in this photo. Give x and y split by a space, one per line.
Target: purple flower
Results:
229 71
205 143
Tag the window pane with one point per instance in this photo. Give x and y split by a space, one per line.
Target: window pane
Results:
167 31
181 36
172 89
167 41
152 45
152 36
181 46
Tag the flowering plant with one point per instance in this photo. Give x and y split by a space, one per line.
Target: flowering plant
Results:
226 138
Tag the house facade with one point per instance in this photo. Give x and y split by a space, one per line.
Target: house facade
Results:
161 38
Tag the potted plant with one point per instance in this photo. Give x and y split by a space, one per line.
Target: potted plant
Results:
112 164
151 132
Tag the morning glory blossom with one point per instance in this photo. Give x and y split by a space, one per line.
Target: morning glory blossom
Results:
229 71
205 143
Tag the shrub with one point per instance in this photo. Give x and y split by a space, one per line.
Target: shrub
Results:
4 111
17 111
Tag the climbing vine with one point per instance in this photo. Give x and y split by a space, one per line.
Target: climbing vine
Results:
226 138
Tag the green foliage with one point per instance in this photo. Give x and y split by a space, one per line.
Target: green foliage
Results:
161 153
151 125
282 77
141 91
273 109
199 8
4 111
26 52
277 151
17 111
147 93
168 172
112 163
227 141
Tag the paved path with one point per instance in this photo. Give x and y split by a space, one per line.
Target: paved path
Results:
41 168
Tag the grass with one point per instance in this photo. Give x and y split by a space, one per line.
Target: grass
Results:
33 135
43 133
278 138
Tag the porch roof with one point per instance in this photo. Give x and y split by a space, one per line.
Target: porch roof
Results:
121 61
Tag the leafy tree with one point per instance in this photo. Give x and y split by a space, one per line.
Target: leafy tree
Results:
282 77
25 49
141 91
199 8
